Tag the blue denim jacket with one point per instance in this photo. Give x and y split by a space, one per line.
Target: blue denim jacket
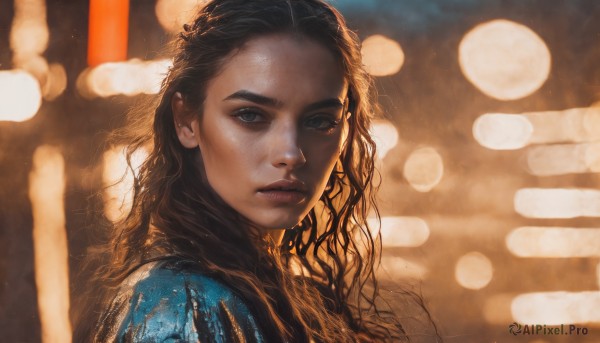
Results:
161 302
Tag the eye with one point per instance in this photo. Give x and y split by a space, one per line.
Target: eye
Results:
249 116
322 123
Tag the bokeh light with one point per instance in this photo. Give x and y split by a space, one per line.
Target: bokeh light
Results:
56 82
505 60
474 270
559 159
172 14
401 231
20 95
554 242
127 78
46 192
385 135
394 267
570 125
555 308
499 131
557 202
381 55
108 31
424 169
35 65
29 34
118 181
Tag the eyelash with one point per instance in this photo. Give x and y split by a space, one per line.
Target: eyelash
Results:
331 123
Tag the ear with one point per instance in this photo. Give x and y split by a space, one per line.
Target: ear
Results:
183 120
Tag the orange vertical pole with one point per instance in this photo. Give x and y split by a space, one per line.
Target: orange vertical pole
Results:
107 36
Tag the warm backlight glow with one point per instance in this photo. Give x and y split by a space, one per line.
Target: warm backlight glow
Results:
557 202
555 308
505 60
46 192
127 78
473 270
424 169
554 242
393 267
502 131
108 30
172 14
382 56
20 95
401 231
118 182
385 135
558 159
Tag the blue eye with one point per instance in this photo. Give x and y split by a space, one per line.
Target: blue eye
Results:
249 116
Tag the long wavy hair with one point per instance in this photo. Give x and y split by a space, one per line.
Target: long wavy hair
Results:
317 284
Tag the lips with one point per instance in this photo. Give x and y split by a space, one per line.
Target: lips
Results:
285 185
284 191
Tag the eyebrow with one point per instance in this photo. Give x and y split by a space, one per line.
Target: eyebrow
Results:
271 102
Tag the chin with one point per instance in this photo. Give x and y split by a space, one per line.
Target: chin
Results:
280 224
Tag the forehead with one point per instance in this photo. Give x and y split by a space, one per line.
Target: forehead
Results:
281 66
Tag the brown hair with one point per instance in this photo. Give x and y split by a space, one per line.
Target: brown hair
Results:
174 214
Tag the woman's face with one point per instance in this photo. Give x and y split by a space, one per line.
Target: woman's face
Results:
272 128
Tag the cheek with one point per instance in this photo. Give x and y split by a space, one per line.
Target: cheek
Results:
322 156
227 162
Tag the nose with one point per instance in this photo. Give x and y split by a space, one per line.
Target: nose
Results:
286 150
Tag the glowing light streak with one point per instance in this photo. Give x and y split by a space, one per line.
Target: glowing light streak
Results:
20 95
401 231
424 169
385 136
572 125
502 131
29 37
118 182
555 308
172 14
108 30
29 34
557 202
598 274
128 78
46 192
561 159
382 56
554 242
505 60
473 270
397 267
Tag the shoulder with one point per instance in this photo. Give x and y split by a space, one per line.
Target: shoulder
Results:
164 301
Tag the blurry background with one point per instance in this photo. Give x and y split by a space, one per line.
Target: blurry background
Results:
489 153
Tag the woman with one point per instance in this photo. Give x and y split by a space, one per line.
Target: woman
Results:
249 215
